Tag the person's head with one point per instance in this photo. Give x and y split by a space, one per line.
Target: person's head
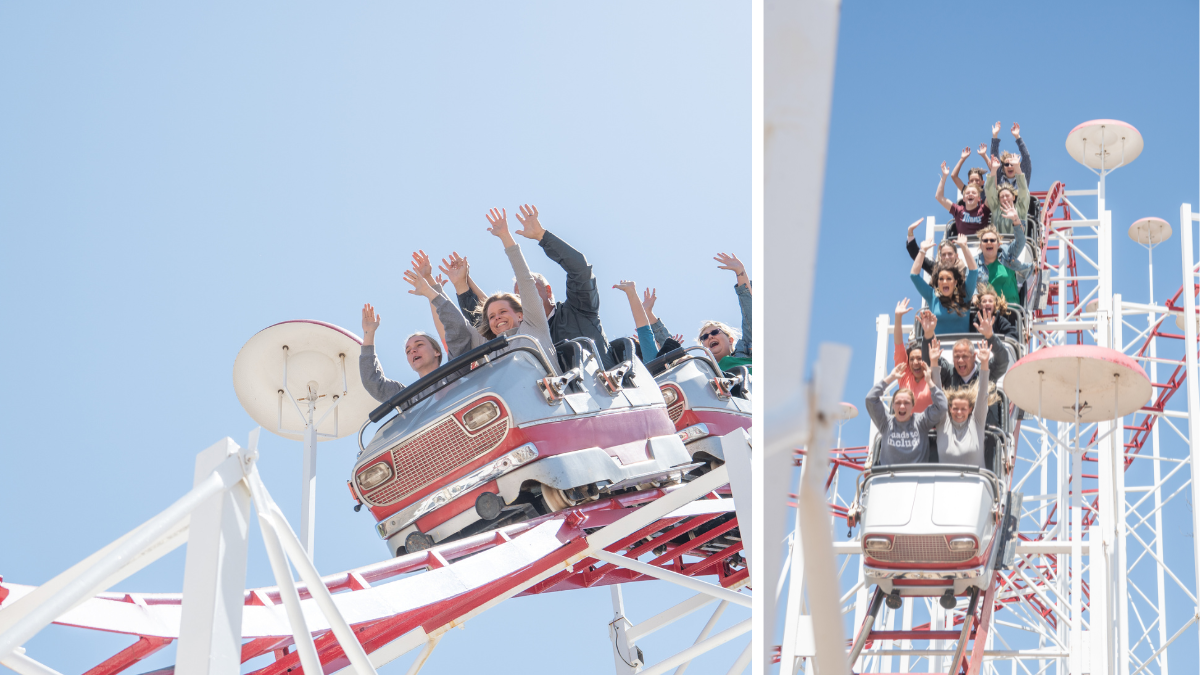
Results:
544 292
972 195
947 254
1007 196
948 285
423 352
501 312
964 357
719 338
915 361
1010 164
975 177
962 403
989 243
902 404
988 299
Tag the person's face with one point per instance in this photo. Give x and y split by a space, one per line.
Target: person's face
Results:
914 365
975 179
717 342
989 244
1006 199
971 196
947 256
420 354
1011 167
946 283
987 303
502 317
960 410
903 406
964 359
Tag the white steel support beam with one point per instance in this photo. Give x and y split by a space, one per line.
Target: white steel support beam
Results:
799 50
1186 226
625 659
214 577
1121 559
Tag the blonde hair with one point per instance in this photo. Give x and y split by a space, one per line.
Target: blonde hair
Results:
968 394
1006 155
732 333
912 398
436 344
987 289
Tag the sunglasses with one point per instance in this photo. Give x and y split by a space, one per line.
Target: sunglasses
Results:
1010 164
712 333
988 241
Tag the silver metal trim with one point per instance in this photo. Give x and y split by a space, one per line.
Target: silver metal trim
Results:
610 411
877 573
693 433
484 474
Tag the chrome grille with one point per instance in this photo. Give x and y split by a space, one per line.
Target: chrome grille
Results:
921 548
675 411
433 455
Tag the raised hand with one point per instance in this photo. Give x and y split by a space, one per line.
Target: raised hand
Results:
983 352
420 264
420 285
649 297
994 162
1016 130
945 171
996 130
730 262
527 215
928 321
678 337
923 368
629 287
966 152
913 228
498 218
898 372
935 349
961 241
1011 213
902 308
440 280
927 244
983 150
370 320
984 322
457 269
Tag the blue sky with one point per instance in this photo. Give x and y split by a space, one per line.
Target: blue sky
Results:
917 83
174 178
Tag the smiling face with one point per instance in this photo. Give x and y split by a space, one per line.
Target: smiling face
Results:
964 359
971 196
960 410
987 302
914 365
989 245
1006 199
502 317
421 355
947 255
902 403
716 341
946 283
1012 166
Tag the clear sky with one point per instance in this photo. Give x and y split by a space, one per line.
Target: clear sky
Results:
916 83
174 178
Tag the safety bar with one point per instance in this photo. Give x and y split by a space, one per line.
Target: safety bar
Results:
682 353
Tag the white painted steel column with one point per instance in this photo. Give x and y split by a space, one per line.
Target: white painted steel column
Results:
1076 644
1121 561
308 487
624 657
1189 358
1101 554
799 49
214 576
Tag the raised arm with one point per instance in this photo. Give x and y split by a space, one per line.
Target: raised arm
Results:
920 259
941 189
966 152
534 317
583 292
991 191
961 241
983 354
369 369
995 139
640 321
874 401
467 292
459 335
902 308
1026 163
742 288
661 334
1022 198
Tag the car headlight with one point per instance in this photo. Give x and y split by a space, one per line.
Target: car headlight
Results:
962 544
877 544
373 476
669 395
481 415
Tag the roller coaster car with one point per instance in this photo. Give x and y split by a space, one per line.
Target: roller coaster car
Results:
497 436
703 401
931 529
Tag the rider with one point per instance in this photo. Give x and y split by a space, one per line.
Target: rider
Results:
423 352
729 346
1008 202
999 266
914 378
645 335
579 315
950 297
972 215
904 436
960 435
1009 175
947 252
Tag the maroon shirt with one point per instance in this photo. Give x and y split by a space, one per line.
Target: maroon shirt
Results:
970 222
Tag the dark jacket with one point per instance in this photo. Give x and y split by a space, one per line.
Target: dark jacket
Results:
579 314
950 377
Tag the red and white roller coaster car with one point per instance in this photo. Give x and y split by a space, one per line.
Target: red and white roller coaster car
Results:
703 402
496 436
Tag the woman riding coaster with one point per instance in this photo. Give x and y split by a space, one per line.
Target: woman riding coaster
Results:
1009 204
645 334
960 435
914 378
989 300
950 294
502 313
904 435
422 351
947 252
1000 266
730 347
969 218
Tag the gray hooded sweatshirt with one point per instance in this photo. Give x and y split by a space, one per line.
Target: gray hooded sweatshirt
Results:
963 443
905 442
